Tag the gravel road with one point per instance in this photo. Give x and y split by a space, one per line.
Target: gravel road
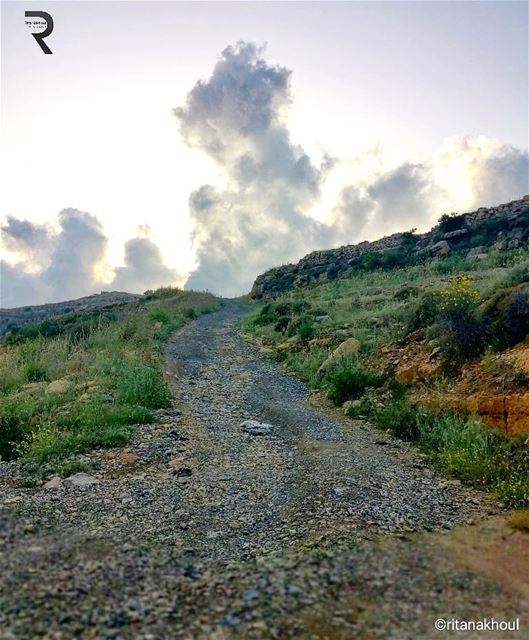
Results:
322 527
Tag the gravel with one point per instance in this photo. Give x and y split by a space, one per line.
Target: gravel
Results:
200 529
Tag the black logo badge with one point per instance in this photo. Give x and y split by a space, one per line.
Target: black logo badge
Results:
39 37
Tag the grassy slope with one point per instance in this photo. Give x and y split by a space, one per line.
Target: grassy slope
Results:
85 380
376 308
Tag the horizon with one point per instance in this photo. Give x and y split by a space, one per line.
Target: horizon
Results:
212 158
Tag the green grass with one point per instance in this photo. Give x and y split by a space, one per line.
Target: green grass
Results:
371 306
110 373
464 447
377 307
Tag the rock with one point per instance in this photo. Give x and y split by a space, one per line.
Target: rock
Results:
174 462
53 483
517 410
407 374
184 472
476 251
321 318
431 370
341 333
457 233
126 457
440 249
80 480
255 428
435 351
350 407
63 385
349 347
33 387
320 342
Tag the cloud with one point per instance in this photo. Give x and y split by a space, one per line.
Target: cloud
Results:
237 118
481 171
466 173
350 215
72 255
78 248
259 218
30 241
144 268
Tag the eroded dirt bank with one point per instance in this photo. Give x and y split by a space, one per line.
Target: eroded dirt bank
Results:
317 529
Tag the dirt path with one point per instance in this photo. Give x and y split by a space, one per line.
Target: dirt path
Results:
321 528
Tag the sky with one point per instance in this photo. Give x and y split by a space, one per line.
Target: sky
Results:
198 143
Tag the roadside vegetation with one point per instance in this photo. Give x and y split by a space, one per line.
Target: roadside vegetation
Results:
463 312
86 380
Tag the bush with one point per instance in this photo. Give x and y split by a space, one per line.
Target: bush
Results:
159 315
305 330
34 372
282 324
16 414
515 320
425 312
302 326
400 417
142 385
507 315
407 291
299 306
452 314
452 222
348 382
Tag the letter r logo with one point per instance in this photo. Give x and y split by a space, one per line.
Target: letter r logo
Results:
39 37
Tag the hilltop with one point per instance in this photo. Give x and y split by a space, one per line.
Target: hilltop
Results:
12 319
503 227
424 335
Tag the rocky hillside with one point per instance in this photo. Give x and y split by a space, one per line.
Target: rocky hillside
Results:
503 227
11 319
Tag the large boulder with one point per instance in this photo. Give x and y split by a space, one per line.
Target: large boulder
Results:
440 249
348 347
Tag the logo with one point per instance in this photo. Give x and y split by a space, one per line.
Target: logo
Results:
39 19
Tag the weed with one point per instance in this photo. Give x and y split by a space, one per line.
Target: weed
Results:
519 520
348 382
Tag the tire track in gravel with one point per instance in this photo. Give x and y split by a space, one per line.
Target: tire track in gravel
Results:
313 468
325 529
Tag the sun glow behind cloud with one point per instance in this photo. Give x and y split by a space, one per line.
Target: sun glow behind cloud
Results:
101 136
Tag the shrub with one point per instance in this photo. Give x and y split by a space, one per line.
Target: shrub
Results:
452 314
283 308
142 385
452 222
515 320
159 315
34 372
519 520
507 314
302 326
348 382
407 291
400 417
16 414
299 306
425 312
282 324
305 329
270 317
